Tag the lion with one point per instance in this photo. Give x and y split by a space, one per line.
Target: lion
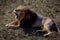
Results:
26 17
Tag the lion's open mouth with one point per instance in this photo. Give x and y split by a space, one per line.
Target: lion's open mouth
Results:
16 15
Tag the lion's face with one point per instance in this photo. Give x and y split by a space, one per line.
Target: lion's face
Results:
20 12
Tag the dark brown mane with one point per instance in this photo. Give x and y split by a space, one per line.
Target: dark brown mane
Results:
29 18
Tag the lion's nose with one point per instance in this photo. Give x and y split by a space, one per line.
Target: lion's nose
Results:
10 11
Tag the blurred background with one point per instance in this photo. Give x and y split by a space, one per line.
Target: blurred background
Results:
50 8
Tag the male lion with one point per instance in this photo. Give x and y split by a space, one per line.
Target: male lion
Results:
26 17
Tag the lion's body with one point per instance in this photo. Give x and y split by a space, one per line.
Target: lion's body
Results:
26 17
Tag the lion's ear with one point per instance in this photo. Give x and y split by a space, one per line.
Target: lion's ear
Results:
21 16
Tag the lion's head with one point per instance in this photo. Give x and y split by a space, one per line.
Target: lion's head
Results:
25 15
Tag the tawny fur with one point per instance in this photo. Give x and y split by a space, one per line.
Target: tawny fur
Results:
28 17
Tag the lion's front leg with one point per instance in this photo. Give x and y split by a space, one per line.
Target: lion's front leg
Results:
15 23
